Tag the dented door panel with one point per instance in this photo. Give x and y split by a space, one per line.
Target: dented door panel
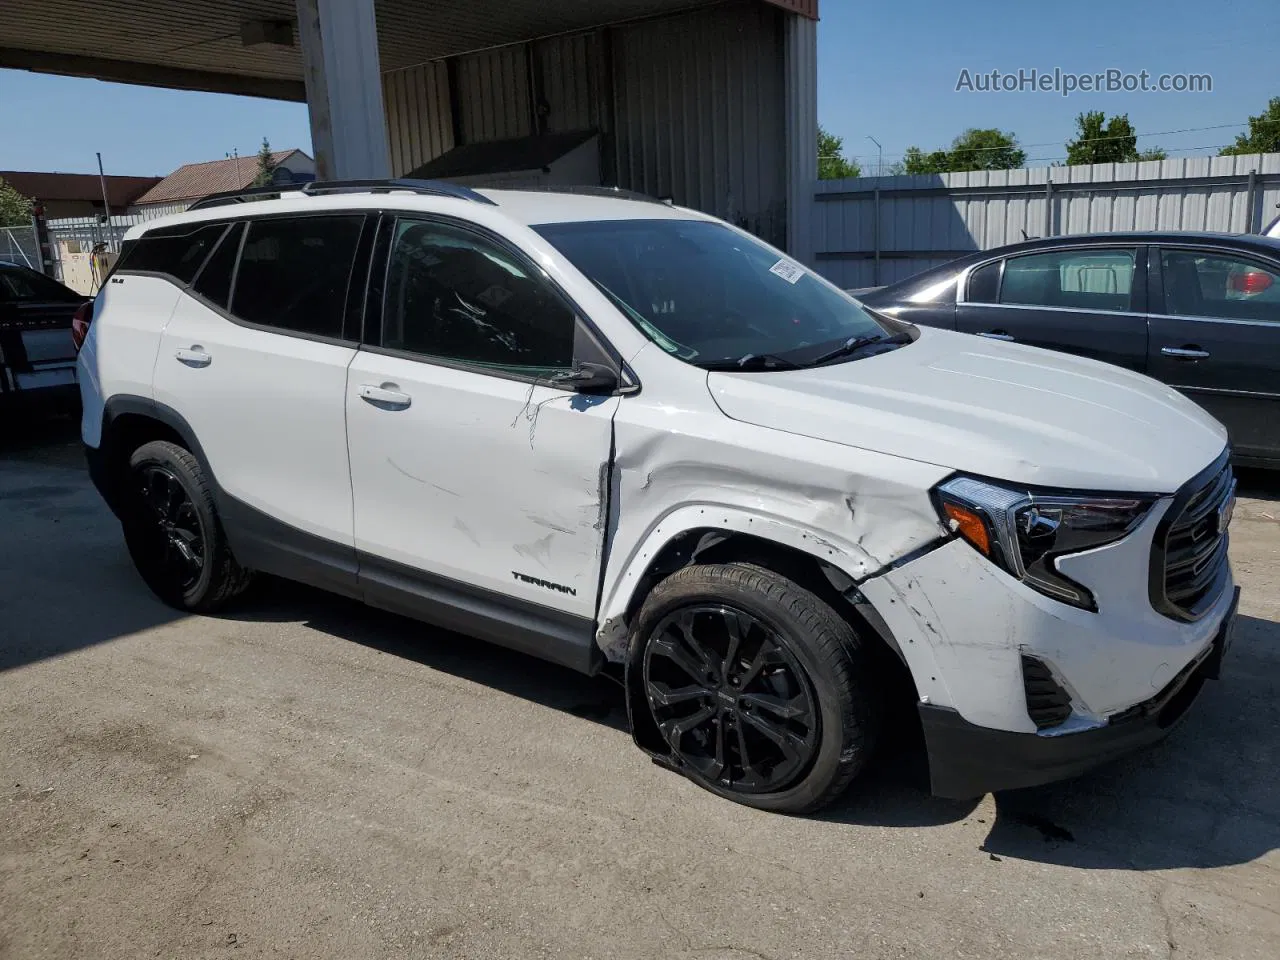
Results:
485 480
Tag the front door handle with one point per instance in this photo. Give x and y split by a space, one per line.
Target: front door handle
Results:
996 335
195 357
1189 352
385 396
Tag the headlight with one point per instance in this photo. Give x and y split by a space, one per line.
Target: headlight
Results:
1026 531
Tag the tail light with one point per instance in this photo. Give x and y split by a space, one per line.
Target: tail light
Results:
1255 281
80 324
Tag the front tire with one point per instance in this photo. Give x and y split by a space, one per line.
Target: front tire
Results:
172 530
761 692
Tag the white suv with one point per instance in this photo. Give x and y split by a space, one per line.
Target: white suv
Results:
618 434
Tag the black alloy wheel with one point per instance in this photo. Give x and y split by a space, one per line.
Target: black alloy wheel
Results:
181 534
173 533
730 698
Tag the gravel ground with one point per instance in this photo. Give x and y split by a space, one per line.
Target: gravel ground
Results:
308 778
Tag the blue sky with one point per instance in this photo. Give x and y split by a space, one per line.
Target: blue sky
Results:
889 70
884 71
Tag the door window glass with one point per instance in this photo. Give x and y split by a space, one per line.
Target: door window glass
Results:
294 271
453 295
1212 285
176 252
1076 279
983 283
214 281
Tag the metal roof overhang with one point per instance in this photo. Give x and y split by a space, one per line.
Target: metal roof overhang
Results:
197 45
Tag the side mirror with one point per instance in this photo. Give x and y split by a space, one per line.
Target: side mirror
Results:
588 378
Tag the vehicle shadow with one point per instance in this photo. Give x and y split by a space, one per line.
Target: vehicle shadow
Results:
66 581
593 698
1206 797
1258 484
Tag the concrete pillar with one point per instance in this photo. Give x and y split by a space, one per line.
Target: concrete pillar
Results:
339 40
801 98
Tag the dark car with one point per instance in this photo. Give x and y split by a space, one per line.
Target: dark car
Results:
1199 311
37 353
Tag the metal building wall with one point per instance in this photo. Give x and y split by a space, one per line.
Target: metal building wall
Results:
419 119
493 94
568 72
691 106
699 113
873 231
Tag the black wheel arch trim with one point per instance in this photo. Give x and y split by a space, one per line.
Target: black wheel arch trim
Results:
129 404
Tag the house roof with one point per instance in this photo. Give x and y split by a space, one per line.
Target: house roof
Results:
195 180
121 191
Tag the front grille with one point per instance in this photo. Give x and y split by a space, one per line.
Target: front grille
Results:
1189 554
1047 703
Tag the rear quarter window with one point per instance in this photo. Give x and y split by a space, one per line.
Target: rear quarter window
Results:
175 252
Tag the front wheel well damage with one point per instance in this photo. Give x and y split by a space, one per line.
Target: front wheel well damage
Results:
828 583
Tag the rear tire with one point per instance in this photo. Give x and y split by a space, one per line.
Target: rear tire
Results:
782 718
172 530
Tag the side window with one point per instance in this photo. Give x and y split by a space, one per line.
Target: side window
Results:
454 295
294 271
175 251
1198 284
984 283
1090 279
214 280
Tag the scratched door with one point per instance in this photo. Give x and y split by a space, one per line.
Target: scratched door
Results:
464 463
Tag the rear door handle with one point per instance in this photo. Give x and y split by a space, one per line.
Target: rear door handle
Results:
195 357
386 396
1185 353
996 335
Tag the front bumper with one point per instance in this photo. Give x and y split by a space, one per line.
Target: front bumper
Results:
967 760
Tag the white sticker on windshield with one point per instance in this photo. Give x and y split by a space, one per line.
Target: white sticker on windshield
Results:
788 271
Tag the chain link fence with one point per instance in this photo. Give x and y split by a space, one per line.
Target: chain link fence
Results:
19 245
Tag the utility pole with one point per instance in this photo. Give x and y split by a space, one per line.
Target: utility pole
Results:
106 205
879 157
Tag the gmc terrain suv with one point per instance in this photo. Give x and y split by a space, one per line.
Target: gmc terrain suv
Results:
609 431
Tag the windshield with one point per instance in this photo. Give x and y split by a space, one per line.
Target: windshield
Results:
714 297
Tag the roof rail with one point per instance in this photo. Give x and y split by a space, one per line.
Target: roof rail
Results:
435 188
240 196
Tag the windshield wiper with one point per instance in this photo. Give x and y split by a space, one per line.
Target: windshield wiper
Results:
752 362
854 344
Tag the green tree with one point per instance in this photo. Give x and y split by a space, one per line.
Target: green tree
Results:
974 149
263 178
1099 140
1264 133
832 163
15 209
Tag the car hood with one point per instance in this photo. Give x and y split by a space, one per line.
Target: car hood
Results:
1001 410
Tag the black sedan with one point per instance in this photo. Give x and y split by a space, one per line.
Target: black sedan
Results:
37 353
1199 311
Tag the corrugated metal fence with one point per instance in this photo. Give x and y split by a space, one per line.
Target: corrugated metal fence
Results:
878 230
83 233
